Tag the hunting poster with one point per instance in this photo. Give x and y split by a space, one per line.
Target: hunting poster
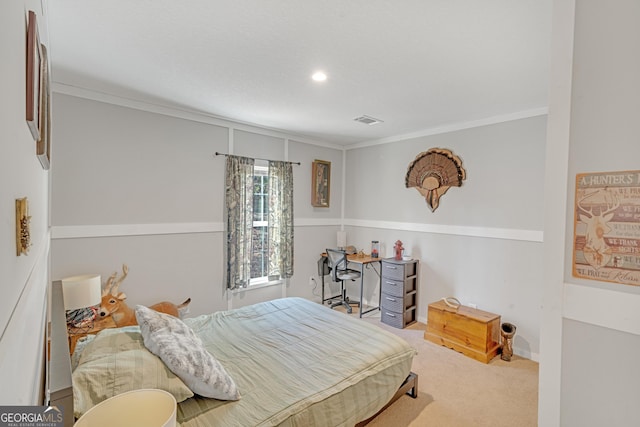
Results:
607 227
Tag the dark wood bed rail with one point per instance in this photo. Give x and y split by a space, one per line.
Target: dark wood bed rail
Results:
409 386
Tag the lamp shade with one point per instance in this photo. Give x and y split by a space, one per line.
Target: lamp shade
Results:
342 239
81 291
144 407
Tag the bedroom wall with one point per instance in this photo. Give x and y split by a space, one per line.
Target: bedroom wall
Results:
483 244
24 278
139 184
600 321
159 209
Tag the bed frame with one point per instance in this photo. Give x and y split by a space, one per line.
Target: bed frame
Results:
59 366
409 386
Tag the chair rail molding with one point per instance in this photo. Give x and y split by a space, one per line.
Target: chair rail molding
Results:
114 230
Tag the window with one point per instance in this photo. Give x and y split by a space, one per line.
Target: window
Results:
258 221
259 234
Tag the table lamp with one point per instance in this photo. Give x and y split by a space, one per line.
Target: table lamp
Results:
80 295
141 408
342 240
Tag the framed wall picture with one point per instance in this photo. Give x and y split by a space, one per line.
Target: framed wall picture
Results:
43 146
23 234
33 78
320 183
606 232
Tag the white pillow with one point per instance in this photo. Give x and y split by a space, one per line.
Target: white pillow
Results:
182 351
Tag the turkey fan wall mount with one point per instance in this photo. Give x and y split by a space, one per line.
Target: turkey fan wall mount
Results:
433 172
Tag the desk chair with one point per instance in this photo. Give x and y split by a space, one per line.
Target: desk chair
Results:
337 261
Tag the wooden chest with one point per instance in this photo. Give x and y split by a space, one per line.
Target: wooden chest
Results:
473 332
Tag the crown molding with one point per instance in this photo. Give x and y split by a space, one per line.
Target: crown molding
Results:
452 127
173 111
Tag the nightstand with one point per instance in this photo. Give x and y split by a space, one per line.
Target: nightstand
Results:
59 366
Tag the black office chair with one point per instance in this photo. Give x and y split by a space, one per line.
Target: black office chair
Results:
337 261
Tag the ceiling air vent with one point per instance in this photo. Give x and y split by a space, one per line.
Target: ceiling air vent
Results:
367 120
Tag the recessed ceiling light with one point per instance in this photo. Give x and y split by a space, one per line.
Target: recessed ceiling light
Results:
319 76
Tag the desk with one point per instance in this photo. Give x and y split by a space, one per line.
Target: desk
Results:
363 261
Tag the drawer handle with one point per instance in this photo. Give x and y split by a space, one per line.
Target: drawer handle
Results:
391 299
392 267
391 314
391 283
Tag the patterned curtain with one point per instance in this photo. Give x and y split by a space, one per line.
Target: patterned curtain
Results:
239 220
280 220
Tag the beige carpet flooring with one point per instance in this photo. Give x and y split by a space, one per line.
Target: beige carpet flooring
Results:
457 391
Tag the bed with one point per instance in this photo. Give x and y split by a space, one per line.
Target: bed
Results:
294 362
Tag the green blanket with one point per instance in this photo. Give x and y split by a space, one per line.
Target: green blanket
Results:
297 363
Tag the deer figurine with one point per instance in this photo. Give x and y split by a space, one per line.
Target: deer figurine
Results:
113 304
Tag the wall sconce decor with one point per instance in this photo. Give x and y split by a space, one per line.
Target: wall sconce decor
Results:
23 234
433 172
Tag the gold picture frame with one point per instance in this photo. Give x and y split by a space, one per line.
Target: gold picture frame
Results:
33 78
23 233
43 146
320 183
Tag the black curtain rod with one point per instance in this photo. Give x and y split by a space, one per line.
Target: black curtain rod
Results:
258 158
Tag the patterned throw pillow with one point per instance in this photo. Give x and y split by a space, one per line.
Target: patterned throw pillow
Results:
182 351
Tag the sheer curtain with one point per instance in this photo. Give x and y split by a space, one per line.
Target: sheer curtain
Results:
238 220
280 220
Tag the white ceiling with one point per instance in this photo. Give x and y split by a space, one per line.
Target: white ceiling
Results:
415 64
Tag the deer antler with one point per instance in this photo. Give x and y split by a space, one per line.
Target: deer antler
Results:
579 204
612 202
615 203
107 286
116 285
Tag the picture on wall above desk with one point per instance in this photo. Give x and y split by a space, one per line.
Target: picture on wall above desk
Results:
320 183
432 172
